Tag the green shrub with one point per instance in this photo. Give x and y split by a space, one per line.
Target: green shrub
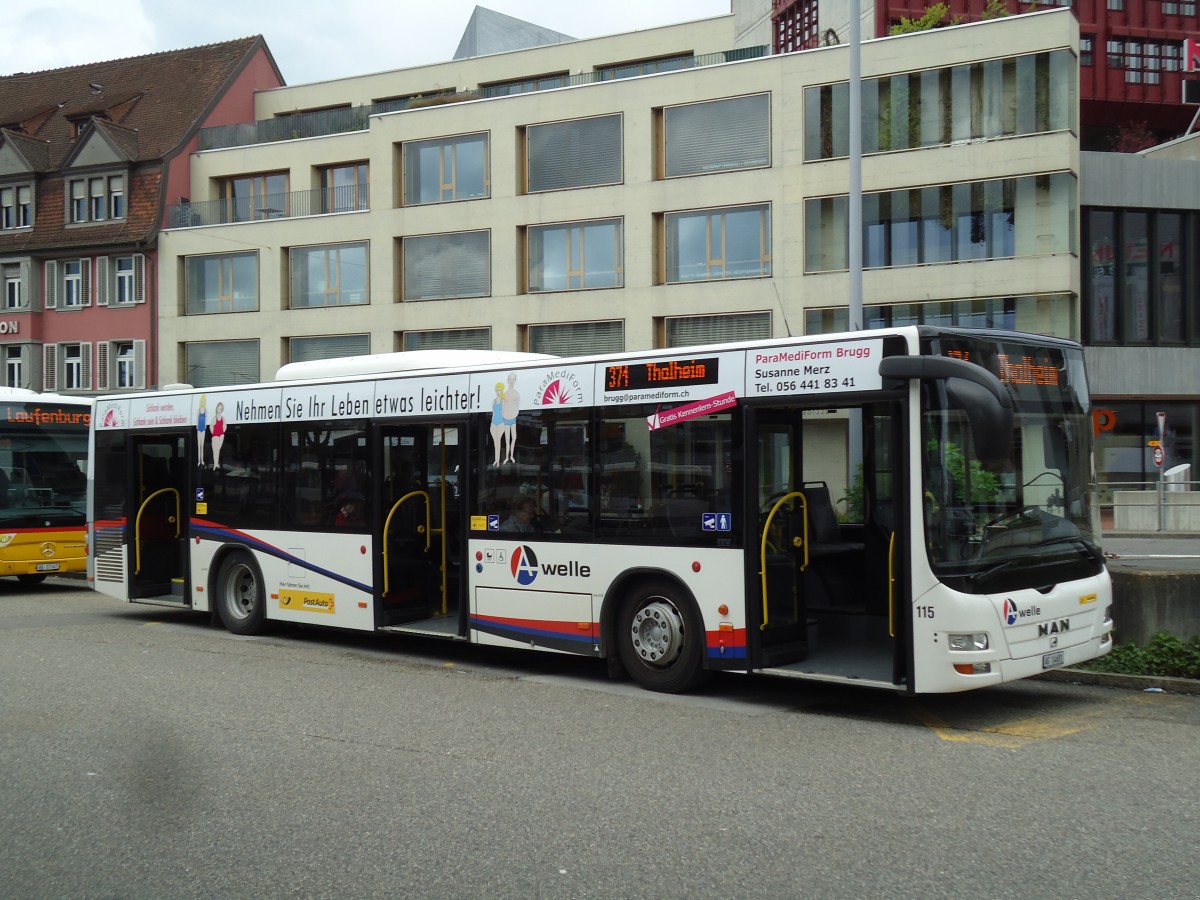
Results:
1164 655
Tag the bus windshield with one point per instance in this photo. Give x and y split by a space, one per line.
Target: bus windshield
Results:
1003 518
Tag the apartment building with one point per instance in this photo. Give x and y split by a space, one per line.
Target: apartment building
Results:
1131 65
653 189
88 156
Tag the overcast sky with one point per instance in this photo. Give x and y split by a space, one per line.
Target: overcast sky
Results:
310 41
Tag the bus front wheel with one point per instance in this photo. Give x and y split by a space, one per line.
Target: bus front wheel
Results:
241 601
661 639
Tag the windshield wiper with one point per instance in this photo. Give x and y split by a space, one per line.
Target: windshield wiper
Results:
1093 552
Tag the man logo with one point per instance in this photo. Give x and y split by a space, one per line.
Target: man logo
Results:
524 565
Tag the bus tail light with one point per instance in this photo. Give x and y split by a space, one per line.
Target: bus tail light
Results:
967 642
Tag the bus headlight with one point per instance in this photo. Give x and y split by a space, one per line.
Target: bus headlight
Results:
965 642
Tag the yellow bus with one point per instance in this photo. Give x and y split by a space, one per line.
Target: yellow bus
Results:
43 484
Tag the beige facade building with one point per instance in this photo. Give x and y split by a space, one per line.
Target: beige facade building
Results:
656 188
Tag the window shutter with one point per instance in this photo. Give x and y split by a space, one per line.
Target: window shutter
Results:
442 266
102 285
574 154
684 331
50 367
139 278
577 338
718 135
85 285
85 366
51 288
139 364
102 363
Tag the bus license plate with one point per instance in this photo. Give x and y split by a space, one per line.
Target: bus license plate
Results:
1050 660
47 567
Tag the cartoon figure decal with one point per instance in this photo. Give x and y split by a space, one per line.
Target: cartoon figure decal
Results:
498 429
201 429
506 406
218 434
511 407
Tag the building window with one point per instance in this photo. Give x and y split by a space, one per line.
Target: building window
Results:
68 283
16 285
576 338
344 188
97 199
1139 277
449 339
1144 61
67 367
1184 8
717 136
218 284
1024 313
14 367
16 207
121 365
332 275
121 280
575 256
978 101
574 154
1116 4
525 85
687 331
796 25
1087 45
250 198
445 266
949 223
706 245
211 363
307 349
646 67
446 169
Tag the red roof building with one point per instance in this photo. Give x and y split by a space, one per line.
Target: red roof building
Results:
90 158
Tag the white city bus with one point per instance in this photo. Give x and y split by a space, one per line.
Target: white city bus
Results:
909 508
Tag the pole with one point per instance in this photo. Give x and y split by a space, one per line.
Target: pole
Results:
854 220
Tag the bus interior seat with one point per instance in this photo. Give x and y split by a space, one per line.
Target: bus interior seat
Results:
835 573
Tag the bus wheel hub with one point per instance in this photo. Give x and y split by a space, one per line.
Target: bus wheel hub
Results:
658 633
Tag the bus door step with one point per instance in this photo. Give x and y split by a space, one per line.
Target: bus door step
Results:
177 588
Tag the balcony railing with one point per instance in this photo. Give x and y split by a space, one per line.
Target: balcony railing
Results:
348 198
355 118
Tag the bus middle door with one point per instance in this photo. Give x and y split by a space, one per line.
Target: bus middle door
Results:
419 510
777 555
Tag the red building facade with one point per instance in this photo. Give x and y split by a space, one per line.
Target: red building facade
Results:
91 156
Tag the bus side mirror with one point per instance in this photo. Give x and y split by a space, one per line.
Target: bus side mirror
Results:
969 387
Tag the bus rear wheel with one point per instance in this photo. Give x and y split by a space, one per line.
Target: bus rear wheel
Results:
661 639
241 601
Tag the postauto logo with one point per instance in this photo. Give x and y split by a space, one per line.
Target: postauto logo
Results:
524 565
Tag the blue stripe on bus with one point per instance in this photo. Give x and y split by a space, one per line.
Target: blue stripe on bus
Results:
224 535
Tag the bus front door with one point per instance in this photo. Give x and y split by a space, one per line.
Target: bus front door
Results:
828 567
419 577
158 505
